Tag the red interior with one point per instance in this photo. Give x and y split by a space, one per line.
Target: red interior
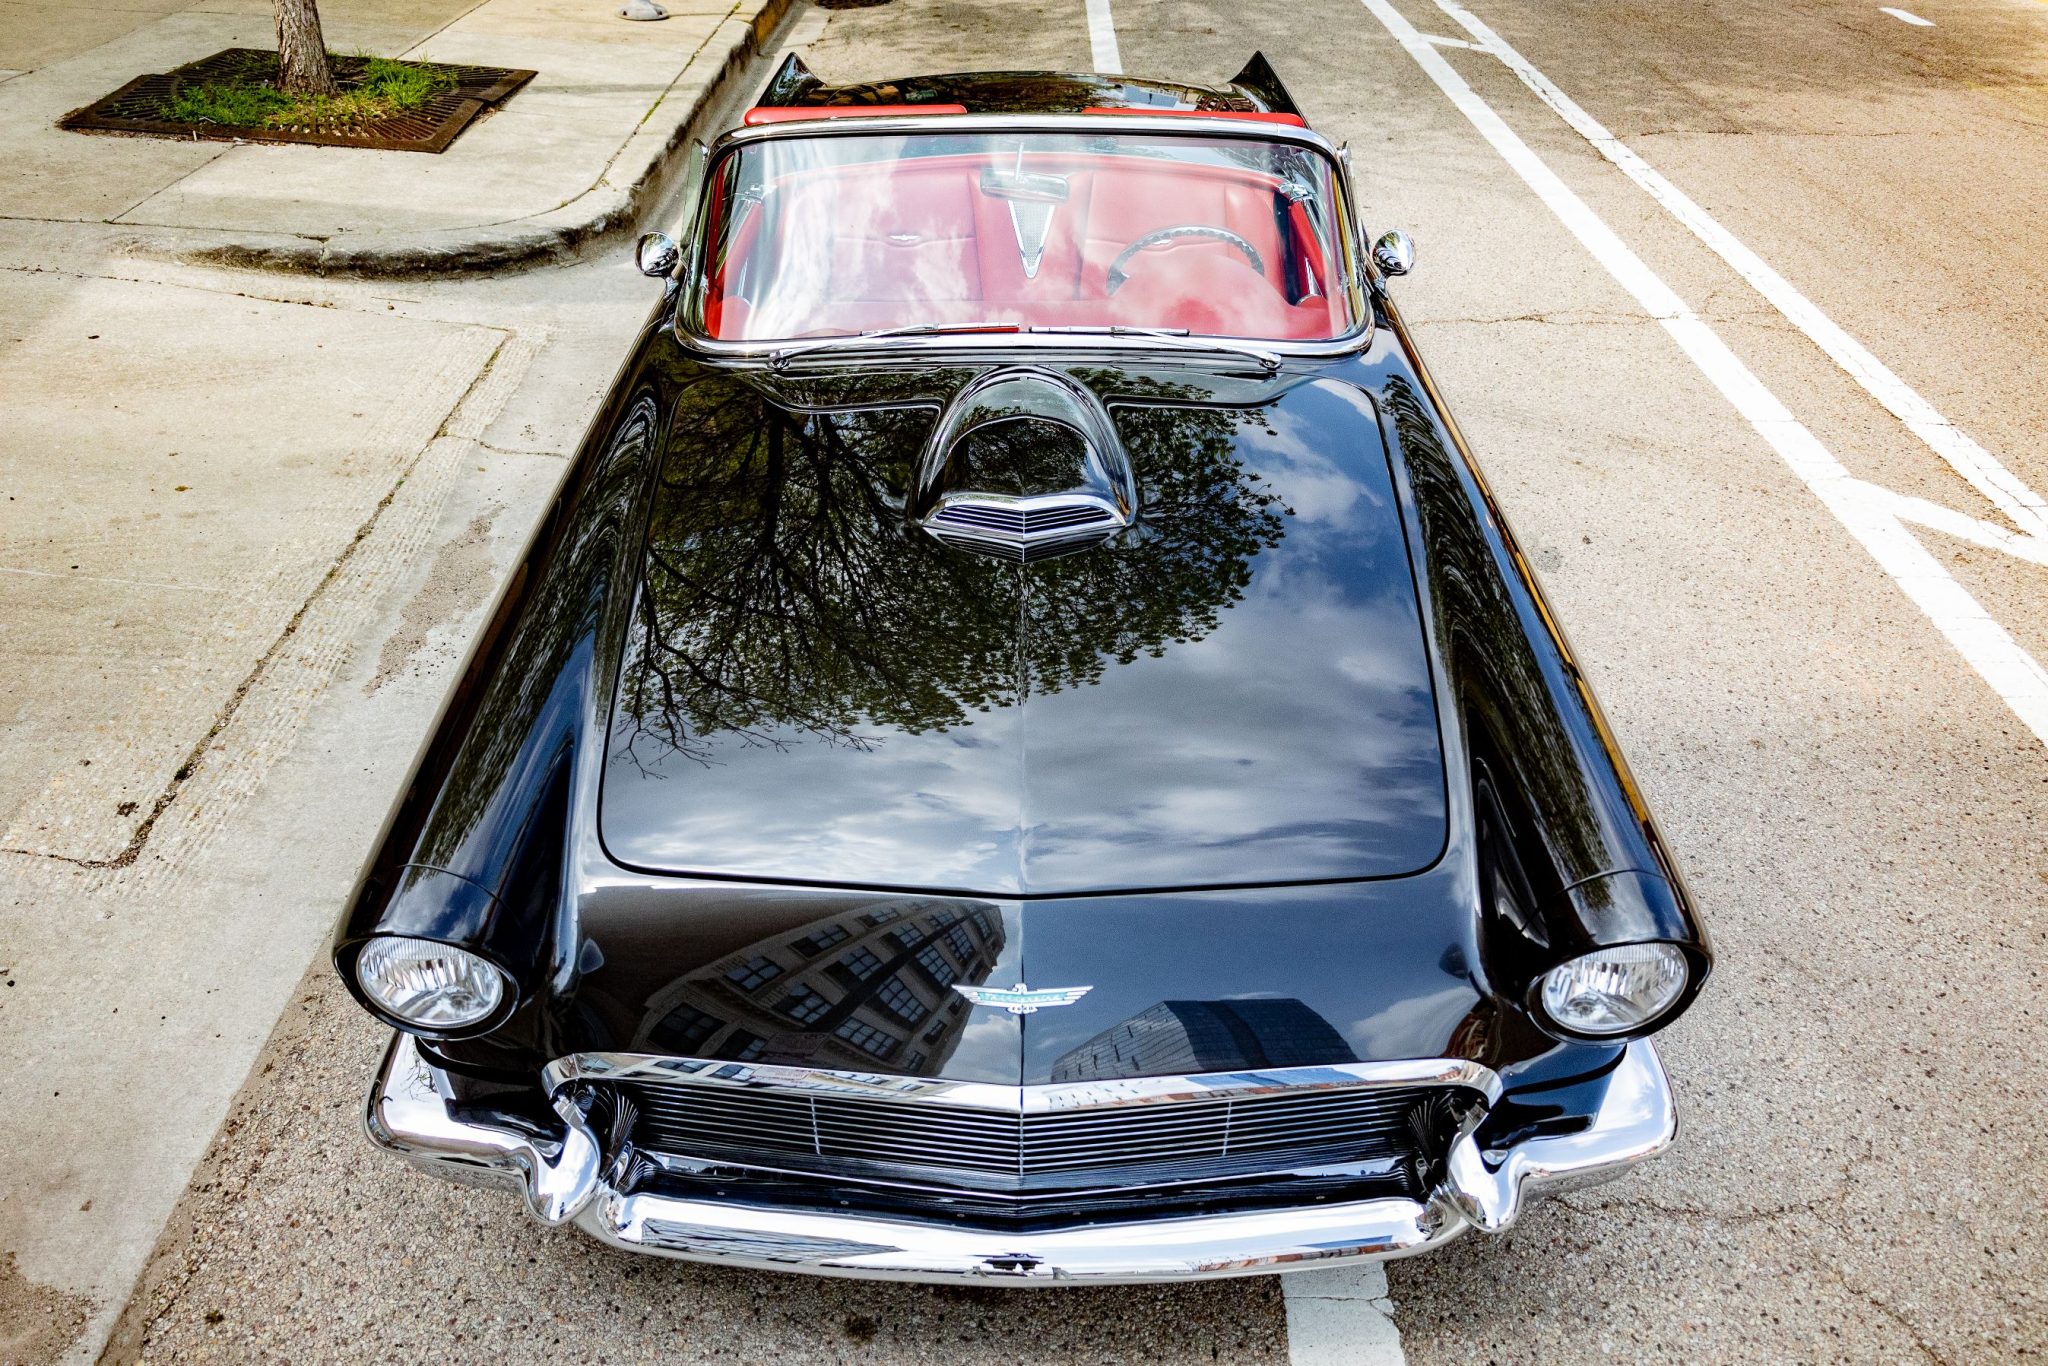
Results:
1250 115
757 116
904 242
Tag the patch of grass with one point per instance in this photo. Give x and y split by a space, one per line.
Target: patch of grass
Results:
372 88
236 106
405 84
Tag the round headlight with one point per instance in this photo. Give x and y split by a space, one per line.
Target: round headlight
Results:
1613 991
426 985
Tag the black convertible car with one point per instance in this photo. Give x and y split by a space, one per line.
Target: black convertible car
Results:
1024 750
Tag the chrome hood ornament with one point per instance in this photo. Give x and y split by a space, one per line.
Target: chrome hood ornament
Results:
1022 1000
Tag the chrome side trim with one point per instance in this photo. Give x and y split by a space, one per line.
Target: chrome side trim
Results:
645 1067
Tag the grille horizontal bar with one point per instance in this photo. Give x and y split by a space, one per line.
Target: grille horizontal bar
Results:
1268 1132
1024 530
1021 521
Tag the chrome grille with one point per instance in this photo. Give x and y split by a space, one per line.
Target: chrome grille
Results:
1180 1139
1024 530
1021 520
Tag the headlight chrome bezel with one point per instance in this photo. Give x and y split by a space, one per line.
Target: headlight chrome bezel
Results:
1669 971
490 991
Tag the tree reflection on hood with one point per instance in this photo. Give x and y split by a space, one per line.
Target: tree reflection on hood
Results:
787 594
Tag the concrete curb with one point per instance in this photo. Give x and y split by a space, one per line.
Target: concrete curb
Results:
636 179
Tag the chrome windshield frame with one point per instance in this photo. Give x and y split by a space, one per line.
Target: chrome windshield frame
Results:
1357 274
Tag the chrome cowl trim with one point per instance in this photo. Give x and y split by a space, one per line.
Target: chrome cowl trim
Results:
411 1112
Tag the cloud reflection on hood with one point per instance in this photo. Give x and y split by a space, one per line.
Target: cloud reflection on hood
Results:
1236 692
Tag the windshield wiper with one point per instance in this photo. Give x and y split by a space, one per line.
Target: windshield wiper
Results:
1176 336
854 340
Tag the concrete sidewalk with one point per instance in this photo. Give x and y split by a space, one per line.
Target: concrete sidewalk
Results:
580 151
248 526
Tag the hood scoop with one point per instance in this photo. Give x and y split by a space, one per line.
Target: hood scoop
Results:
1024 464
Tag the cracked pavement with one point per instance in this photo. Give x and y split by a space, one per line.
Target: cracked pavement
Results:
236 581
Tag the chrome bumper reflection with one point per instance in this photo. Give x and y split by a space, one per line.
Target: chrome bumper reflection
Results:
562 1178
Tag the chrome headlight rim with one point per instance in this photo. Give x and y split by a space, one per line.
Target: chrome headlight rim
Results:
1683 956
507 1001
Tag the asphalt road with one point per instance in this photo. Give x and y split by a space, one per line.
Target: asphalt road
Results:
1821 699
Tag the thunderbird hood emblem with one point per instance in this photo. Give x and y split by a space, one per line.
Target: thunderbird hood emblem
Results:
1022 1000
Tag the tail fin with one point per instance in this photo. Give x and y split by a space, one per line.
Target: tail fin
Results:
1262 83
789 85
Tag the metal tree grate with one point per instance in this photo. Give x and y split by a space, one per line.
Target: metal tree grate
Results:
137 107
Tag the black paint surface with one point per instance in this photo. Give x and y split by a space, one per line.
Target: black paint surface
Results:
1236 691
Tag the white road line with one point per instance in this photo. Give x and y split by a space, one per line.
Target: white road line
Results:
1905 18
2006 490
1963 527
1988 648
1442 41
1102 39
1341 1316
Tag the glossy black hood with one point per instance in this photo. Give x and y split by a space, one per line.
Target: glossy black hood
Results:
1235 691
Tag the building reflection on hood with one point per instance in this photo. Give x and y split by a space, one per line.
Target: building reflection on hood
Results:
851 993
1181 1038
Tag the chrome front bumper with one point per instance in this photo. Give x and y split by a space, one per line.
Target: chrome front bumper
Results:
562 1179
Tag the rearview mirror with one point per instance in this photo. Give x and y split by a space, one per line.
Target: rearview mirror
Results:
1394 253
658 254
1022 188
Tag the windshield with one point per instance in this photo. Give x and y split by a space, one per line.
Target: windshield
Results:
830 236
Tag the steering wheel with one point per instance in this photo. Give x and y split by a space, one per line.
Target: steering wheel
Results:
1117 273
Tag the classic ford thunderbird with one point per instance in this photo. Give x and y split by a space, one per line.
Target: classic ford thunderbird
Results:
1024 751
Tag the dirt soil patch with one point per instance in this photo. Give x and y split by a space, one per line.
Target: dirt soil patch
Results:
231 97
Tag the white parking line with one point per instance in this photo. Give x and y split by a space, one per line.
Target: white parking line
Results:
2006 490
1905 18
2010 671
1102 39
1341 1317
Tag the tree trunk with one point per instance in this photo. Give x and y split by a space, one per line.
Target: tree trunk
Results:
301 52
